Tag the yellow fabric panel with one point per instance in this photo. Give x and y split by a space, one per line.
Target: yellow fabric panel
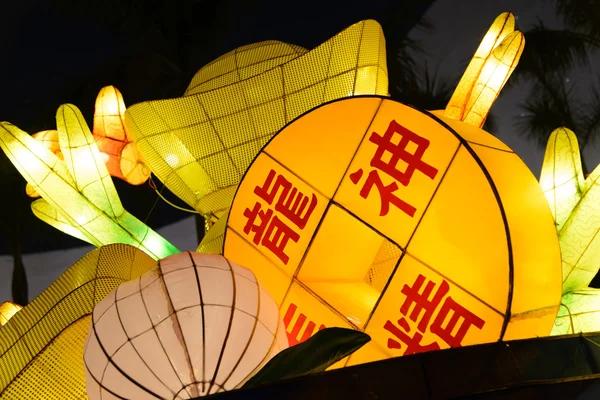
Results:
397 224
561 177
531 225
212 136
57 371
38 335
389 309
472 134
531 324
242 63
320 134
342 283
249 217
463 227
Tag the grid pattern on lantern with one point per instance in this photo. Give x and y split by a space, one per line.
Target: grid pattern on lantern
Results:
197 326
243 63
202 143
383 265
56 320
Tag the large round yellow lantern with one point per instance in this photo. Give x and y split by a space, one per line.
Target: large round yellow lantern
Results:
423 231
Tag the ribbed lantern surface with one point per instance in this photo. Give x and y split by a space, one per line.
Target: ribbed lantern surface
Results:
198 324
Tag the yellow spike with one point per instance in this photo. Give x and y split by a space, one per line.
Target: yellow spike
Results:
561 178
500 28
495 73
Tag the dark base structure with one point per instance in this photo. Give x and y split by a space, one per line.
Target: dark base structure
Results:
561 367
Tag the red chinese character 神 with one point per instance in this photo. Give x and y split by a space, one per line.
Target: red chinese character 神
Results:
271 231
423 312
293 335
396 152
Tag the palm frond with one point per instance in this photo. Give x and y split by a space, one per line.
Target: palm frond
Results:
551 51
427 91
591 116
580 15
550 105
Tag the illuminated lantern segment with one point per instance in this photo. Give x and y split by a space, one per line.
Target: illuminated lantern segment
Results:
197 325
422 231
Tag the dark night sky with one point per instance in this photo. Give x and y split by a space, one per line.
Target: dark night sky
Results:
49 58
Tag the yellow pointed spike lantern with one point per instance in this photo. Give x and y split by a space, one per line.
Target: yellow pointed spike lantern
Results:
574 201
422 231
199 145
121 156
78 194
42 348
7 310
493 63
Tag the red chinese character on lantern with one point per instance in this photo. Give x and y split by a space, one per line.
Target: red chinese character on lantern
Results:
389 147
422 313
293 335
271 231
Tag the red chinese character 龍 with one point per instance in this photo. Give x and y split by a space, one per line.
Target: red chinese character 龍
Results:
271 231
422 313
387 148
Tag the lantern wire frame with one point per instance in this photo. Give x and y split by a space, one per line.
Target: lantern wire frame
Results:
41 347
200 145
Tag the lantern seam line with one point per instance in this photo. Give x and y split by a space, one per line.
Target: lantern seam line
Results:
405 249
256 321
329 200
216 132
170 300
496 193
292 278
194 267
245 67
153 328
129 341
490 147
228 327
355 69
111 362
257 105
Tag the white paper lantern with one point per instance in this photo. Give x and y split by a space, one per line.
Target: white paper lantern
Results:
196 325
